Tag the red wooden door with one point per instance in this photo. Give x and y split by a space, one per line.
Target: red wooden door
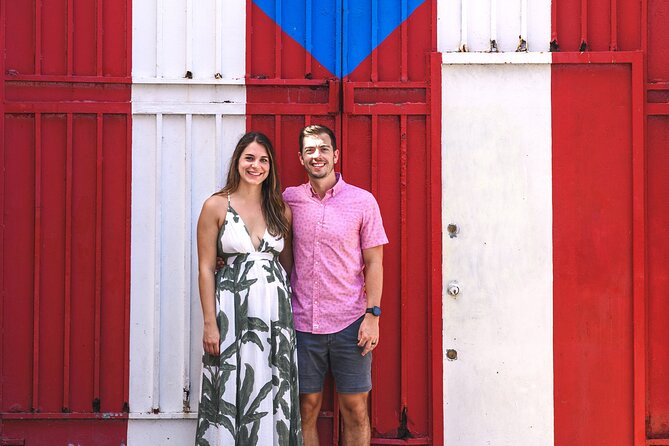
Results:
385 110
610 103
657 159
65 176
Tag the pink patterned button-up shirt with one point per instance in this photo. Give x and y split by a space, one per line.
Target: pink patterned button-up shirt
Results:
328 238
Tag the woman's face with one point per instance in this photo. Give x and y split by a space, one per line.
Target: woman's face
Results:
254 164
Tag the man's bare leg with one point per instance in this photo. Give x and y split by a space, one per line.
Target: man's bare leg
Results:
353 407
310 407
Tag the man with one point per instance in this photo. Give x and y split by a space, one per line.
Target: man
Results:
337 279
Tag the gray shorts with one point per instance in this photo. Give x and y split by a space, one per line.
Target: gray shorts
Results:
339 352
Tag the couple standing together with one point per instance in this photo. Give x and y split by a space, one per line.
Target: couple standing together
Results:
324 240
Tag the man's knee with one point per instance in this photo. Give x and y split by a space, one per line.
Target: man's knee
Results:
354 408
310 405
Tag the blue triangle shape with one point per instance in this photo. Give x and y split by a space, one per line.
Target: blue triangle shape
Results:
340 34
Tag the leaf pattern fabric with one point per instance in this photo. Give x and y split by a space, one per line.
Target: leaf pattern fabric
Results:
249 392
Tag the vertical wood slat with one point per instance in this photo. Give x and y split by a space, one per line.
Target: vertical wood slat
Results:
374 189
277 133
37 258
613 45
128 208
98 264
375 41
70 37
189 36
128 55
218 144
644 29
99 32
639 239
493 26
67 316
38 39
157 266
344 38
404 29
404 274
375 154
188 261
160 8
277 51
435 278
309 31
219 37
522 45
339 40
554 33
464 17
584 25
2 171
249 26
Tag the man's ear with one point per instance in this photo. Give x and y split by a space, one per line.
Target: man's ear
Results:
336 156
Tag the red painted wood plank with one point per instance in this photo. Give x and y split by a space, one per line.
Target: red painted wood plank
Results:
52 148
67 310
37 262
592 243
435 283
54 37
658 40
18 262
658 278
84 39
116 40
114 341
83 260
19 23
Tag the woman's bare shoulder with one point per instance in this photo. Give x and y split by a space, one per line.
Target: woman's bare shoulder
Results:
216 205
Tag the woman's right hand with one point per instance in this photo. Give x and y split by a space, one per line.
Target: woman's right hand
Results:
211 338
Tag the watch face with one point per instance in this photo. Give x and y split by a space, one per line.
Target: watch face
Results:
376 311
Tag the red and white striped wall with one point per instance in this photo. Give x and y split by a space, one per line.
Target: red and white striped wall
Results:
517 149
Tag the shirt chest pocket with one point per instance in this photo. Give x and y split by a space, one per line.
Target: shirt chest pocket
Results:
340 228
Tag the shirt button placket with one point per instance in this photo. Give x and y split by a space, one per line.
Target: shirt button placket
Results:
317 271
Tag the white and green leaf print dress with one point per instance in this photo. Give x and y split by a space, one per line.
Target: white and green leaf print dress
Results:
249 393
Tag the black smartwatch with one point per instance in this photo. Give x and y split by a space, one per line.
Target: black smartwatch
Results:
376 311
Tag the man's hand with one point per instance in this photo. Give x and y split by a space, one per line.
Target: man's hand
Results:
368 335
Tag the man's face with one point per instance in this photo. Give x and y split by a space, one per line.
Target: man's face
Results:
318 157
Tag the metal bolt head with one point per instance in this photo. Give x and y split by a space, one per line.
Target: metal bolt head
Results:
452 354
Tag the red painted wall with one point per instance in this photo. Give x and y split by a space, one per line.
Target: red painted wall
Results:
610 138
383 115
592 248
65 240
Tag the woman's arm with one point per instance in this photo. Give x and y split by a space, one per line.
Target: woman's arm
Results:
286 256
207 232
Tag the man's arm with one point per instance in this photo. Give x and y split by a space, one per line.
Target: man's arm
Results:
368 336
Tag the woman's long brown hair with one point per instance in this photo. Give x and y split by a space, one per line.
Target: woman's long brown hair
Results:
273 206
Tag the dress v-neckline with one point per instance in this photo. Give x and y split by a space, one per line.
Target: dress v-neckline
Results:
246 228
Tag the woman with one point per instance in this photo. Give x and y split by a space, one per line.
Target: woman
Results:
249 383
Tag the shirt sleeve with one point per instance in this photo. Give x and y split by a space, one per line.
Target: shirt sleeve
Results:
372 233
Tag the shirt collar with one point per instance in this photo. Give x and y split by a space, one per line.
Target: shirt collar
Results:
337 188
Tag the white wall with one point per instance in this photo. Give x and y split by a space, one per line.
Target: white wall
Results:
497 188
475 23
496 167
184 131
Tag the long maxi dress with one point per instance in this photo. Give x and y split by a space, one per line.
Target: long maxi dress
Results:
249 393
